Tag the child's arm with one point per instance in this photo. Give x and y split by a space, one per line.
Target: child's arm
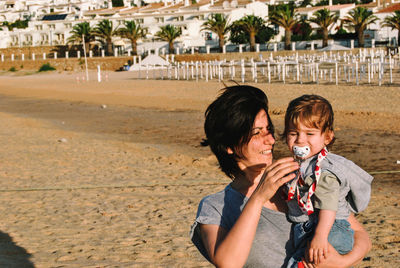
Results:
326 200
318 250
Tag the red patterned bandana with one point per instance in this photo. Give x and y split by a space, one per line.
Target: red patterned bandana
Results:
307 207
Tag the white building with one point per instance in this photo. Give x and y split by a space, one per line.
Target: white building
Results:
380 8
386 33
52 23
339 10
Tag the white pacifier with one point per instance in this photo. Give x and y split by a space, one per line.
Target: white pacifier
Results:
301 152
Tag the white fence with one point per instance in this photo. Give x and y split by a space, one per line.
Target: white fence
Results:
363 68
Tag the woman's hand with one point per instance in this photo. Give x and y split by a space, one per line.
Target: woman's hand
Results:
231 248
275 175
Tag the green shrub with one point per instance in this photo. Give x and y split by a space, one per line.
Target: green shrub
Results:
46 67
117 3
12 69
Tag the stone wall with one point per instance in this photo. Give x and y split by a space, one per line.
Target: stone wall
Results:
26 50
61 63
112 63
71 64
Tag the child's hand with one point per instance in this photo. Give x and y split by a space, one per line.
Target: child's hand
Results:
318 250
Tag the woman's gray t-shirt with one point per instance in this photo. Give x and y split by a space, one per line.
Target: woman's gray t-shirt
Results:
271 247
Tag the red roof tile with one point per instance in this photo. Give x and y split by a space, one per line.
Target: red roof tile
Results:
390 9
331 8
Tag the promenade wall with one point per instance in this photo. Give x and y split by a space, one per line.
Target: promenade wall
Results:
112 63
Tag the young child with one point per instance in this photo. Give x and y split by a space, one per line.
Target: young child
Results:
327 188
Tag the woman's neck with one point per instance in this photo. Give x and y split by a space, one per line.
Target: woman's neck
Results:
246 183
246 186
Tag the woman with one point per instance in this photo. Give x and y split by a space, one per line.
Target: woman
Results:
245 224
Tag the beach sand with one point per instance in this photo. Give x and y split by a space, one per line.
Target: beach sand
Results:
110 174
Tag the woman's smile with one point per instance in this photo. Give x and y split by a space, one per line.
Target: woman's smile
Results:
258 151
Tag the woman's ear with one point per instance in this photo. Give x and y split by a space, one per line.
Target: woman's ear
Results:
229 150
329 135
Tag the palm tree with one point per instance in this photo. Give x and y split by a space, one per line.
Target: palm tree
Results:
394 23
219 24
324 19
169 33
133 32
104 30
285 16
8 25
79 30
252 25
359 18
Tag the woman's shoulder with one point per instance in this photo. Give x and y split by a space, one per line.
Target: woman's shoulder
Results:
227 195
215 196
222 208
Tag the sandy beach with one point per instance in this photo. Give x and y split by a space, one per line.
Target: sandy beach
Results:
110 174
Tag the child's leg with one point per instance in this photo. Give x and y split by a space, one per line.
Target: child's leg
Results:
302 233
341 236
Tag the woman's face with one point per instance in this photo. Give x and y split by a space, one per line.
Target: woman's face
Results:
258 152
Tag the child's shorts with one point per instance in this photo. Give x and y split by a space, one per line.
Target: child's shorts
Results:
341 237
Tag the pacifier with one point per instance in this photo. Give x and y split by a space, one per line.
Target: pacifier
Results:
301 152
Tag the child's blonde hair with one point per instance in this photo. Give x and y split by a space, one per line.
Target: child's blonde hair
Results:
313 111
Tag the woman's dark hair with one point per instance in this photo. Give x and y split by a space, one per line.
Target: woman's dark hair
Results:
229 123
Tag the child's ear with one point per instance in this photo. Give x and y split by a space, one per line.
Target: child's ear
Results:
329 135
229 150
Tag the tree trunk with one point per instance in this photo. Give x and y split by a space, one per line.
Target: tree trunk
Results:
87 47
398 38
221 42
252 41
325 38
288 37
109 47
171 47
360 38
134 46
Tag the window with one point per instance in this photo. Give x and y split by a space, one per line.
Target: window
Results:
60 37
179 18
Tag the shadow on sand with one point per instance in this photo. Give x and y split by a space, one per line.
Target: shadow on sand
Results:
12 255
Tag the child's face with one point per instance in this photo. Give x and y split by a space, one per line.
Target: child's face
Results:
306 136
